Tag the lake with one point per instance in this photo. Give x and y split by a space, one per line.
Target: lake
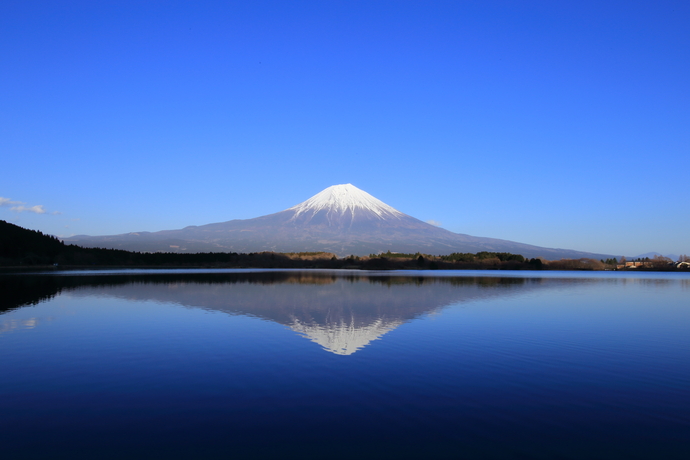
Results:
219 364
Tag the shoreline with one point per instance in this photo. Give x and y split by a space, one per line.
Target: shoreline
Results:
47 268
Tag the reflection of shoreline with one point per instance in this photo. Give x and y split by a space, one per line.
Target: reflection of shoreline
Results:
31 289
341 311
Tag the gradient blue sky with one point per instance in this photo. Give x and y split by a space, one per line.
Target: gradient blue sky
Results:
560 124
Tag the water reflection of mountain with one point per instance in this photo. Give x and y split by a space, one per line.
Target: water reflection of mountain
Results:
342 312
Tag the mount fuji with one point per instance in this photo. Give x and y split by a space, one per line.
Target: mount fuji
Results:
341 219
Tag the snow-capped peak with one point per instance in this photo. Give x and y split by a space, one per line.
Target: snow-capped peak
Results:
345 197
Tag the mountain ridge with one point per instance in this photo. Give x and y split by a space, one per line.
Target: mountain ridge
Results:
341 219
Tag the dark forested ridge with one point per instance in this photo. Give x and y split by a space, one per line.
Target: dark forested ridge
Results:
30 248
20 247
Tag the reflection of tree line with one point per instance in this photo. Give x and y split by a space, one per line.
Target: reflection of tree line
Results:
20 291
24 290
341 311
482 281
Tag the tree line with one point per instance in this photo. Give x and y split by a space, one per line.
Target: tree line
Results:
20 247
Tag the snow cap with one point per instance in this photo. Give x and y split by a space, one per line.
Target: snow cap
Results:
345 197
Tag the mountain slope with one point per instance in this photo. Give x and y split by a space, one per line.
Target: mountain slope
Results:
341 219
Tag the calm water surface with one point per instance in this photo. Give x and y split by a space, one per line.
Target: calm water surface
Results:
319 364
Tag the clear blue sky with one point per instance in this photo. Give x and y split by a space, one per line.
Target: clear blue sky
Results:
560 124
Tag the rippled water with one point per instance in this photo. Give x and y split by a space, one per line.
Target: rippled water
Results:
319 364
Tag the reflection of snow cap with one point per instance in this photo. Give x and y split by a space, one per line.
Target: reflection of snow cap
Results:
343 338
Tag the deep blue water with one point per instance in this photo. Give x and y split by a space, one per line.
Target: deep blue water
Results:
289 364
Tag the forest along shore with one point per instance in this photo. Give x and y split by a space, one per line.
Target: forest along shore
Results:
22 249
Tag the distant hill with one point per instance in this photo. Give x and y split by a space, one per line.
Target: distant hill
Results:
651 255
341 219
